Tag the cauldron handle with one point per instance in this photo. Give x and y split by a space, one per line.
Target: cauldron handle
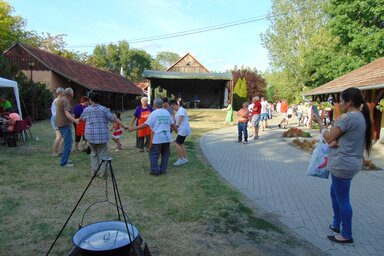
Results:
98 202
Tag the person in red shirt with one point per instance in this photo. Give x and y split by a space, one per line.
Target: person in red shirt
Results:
256 117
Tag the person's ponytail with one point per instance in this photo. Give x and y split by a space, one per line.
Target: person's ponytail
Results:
354 95
368 125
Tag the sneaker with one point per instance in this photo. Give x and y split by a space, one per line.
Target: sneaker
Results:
179 162
245 142
69 161
67 165
185 160
118 149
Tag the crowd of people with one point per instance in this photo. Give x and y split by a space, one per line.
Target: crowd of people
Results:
91 120
347 140
348 137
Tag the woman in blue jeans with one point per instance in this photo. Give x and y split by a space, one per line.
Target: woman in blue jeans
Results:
347 140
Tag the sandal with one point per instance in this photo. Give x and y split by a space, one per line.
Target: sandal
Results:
344 241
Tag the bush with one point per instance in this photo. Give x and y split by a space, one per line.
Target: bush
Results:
239 93
36 94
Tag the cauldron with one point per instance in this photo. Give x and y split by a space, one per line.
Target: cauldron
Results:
105 238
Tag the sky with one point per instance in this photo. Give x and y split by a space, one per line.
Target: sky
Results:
87 23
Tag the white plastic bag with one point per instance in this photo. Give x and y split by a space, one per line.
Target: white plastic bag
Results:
318 166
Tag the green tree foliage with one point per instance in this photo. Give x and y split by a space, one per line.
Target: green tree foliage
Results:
313 42
256 84
114 57
239 93
139 60
296 27
164 60
277 86
358 24
355 36
11 27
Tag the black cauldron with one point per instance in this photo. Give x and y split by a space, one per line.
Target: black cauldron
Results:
105 238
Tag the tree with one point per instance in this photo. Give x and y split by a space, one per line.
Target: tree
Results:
139 60
297 26
117 57
11 27
164 60
239 93
256 84
355 37
278 80
359 26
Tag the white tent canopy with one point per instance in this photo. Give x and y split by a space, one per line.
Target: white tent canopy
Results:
5 83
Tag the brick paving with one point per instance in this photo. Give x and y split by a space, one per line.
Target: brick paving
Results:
271 174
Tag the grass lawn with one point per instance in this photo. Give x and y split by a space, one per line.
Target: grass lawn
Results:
189 211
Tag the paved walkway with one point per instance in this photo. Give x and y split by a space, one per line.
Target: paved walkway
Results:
272 174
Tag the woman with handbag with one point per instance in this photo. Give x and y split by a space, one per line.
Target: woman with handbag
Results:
347 140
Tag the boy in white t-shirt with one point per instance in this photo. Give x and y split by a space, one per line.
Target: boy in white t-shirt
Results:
160 122
183 130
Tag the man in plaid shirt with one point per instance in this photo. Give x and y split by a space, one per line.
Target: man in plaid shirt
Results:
97 131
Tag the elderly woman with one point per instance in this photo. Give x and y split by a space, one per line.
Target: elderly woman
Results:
140 116
58 143
347 140
97 132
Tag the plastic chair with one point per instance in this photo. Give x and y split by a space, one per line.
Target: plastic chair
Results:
28 123
18 130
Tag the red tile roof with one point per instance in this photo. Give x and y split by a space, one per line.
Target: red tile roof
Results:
85 75
366 77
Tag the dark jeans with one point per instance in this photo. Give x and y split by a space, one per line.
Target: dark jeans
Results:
342 209
242 128
66 132
154 154
143 141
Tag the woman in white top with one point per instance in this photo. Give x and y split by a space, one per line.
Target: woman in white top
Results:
58 143
183 130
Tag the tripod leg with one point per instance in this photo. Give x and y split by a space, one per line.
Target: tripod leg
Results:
73 211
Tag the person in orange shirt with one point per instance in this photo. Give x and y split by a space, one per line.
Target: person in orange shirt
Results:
141 115
242 117
284 108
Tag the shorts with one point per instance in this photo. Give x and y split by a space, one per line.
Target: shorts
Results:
289 115
255 120
263 117
180 139
53 123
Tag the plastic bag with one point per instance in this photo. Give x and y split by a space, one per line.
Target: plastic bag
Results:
318 166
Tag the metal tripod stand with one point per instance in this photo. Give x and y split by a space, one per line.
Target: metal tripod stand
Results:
136 244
